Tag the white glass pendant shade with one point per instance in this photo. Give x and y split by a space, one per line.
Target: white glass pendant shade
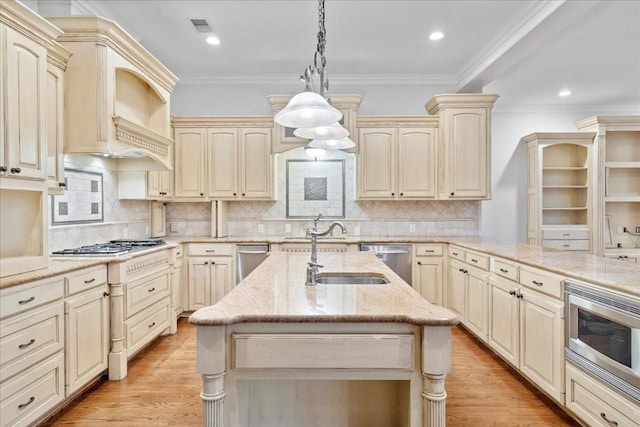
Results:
315 152
333 144
332 131
307 110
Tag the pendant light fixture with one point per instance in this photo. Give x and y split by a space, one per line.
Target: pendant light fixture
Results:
333 144
332 131
310 108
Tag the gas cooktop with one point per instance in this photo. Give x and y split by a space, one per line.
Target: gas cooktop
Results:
111 248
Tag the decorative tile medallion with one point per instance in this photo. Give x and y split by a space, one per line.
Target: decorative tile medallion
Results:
315 186
82 201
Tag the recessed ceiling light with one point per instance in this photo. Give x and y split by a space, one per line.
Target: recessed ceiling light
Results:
564 92
213 39
436 35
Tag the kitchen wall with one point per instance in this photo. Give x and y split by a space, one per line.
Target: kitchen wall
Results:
370 218
122 218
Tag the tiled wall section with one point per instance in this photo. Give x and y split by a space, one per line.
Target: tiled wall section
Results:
122 218
372 218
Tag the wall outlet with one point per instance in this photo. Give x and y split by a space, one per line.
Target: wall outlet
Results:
356 231
412 228
260 228
287 228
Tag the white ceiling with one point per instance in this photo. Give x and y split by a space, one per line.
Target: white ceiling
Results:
524 50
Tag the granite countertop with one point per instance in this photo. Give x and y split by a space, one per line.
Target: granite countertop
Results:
276 292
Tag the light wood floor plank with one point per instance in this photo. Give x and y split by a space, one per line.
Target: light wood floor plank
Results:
163 389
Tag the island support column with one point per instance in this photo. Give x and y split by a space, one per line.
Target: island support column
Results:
436 364
211 364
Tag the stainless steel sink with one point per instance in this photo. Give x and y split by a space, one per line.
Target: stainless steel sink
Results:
351 279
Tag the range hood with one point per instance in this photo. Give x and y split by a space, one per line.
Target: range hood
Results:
117 96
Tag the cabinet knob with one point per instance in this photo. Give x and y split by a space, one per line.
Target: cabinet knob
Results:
512 292
16 170
419 262
105 294
213 262
452 193
402 194
243 194
3 168
235 194
519 296
202 194
393 194
206 262
62 184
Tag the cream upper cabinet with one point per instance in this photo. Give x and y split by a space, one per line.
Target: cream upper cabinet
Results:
233 154
190 163
160 185
396 158
465 145
24 104
559 202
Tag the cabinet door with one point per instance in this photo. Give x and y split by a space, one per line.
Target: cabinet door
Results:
55 129
160 184
428 277
158 219
222 163
221 278
256 180
504 333
190 162
466 147
24 150
417 163
199 291
541 342
477 303
87 337
457 286
176 290
376 163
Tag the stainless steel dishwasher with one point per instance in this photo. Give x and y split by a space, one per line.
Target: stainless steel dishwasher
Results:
396 256
248 257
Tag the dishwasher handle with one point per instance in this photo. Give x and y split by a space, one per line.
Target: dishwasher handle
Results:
389 252
253 252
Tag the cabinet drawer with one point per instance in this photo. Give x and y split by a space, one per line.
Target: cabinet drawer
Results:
506 269
477 260
86 279
29 396
428 250
456 252
592 401
567 245
143 293
541 281
19 298
26 340
205 249
628 258
323 351
146 325
565 234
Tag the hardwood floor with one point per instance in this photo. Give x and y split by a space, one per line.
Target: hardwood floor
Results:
163 389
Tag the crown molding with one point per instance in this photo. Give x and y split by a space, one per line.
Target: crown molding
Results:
586 109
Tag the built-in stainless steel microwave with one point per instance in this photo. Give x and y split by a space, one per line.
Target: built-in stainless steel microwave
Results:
603 335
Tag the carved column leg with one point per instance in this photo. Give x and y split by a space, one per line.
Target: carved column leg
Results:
434 399
118 354
212 400
436 363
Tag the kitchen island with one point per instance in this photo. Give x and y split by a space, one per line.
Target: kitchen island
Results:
277 352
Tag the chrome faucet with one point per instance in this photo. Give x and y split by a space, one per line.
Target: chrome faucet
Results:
313 266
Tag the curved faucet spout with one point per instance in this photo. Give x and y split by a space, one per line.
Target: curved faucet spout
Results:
312 270
328 231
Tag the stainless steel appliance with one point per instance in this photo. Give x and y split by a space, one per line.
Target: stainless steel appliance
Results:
248 257
603 335
111 248
396 256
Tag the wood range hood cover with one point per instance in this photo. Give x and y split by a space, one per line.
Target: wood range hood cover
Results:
117 96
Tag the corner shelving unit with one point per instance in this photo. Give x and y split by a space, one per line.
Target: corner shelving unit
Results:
559 193
618 201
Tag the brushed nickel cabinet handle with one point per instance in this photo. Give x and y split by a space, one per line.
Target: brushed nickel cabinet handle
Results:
474 260
105 294
537 283
31 341
152 325
504 271
90 281
151 290
455 253
210 251
429 251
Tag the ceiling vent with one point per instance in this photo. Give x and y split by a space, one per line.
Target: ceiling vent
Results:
201 25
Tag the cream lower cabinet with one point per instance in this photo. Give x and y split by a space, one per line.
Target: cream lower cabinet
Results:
86 311
210 274
396 162
32 340
526 326
428 272
177 292
468 289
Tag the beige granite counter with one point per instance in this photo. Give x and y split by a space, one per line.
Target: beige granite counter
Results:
276 292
